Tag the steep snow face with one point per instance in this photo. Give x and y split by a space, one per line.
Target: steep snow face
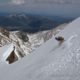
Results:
24 42
50 61
6 51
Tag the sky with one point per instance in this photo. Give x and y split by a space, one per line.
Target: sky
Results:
65 8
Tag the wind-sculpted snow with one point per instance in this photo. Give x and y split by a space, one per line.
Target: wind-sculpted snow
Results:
5 51
50 61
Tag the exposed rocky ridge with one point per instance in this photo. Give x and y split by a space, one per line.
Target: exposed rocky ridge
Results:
25 42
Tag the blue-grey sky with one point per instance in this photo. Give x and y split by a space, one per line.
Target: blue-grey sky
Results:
65 8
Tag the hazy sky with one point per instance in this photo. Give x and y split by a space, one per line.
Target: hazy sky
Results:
65 8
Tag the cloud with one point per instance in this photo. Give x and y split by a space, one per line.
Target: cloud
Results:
17 2
58 1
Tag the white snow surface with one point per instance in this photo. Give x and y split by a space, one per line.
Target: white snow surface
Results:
5 51
50 61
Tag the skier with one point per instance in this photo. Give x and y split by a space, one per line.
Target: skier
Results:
60 39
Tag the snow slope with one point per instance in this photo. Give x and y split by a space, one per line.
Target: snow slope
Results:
50 61
5 51
25 42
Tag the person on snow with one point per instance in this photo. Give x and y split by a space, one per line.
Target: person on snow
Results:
60 39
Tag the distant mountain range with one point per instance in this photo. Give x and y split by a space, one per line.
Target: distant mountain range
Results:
29 23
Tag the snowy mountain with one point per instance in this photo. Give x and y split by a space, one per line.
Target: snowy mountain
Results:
24 42
50 61
8 54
